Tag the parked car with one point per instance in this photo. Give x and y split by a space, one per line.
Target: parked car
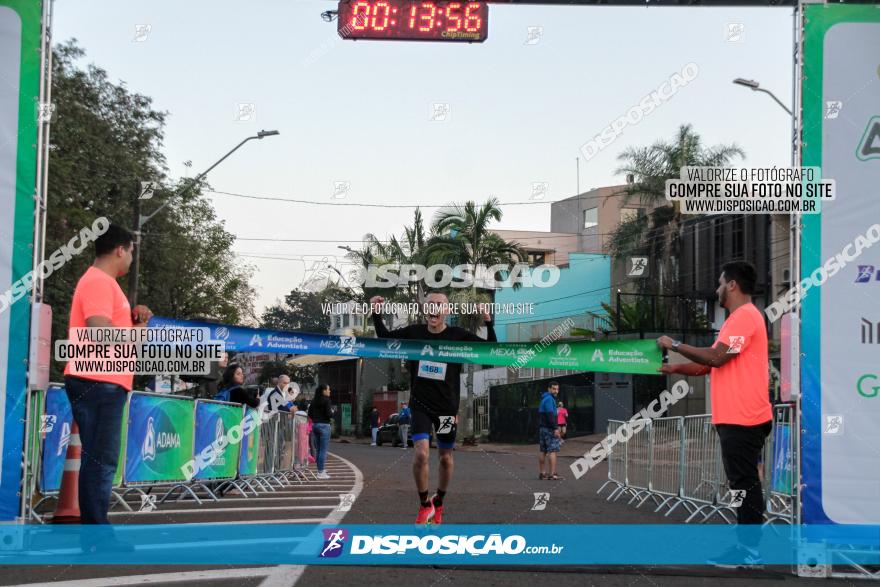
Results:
390 432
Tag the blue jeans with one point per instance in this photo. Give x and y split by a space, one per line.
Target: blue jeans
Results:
321 432
97 410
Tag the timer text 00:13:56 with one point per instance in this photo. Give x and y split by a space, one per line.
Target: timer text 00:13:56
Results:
413 20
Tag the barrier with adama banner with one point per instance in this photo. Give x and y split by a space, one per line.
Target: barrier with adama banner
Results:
35 402
214 457
214 420
56 424
173 442
160 441
248 454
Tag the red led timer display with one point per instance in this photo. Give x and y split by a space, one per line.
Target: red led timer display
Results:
413 20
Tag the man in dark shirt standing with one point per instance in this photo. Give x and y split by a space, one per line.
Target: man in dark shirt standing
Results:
434 396
374 425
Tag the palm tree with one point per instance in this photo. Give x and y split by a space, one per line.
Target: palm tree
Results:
410 249
462 237
659 233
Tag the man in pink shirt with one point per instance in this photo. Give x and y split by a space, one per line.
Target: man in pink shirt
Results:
738 365
98 399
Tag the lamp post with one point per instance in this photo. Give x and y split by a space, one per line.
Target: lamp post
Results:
794 219
756 87
139 220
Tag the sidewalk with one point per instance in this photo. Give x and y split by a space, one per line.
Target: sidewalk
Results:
571 448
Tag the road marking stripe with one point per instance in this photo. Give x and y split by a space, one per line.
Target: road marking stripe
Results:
175 577
209 511
275 576
289 575
272 521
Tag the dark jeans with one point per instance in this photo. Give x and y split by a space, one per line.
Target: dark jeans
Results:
321 432
97 409
741 448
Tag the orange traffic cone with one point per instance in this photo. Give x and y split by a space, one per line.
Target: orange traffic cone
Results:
67 511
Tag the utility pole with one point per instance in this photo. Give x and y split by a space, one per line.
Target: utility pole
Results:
134 273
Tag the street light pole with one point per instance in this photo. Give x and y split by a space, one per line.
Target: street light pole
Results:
139 220
794 219
756 87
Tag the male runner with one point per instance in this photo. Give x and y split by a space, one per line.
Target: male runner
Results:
741 411
434 396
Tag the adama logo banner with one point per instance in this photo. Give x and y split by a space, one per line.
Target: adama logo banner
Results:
160 437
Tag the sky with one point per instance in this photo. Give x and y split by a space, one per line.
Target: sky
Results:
359 113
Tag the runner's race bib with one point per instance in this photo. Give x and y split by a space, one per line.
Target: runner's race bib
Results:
432 370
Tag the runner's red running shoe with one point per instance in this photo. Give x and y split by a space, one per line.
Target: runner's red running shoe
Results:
438 511
426 514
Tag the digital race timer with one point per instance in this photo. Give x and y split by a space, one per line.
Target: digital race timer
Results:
413 20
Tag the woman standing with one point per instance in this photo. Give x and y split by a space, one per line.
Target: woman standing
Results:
232 388
562 419
321 411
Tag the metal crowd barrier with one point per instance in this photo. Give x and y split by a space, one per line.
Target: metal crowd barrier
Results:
159 437
702 471
301 448
676 462
616 463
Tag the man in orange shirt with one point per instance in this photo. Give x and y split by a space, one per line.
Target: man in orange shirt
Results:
98 399
738 365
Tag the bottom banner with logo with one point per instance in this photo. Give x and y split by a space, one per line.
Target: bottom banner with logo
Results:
538 545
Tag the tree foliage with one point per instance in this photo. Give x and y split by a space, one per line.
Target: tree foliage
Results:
301 311
658 234
105 140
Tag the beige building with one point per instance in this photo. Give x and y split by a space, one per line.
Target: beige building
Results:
551 248
593 216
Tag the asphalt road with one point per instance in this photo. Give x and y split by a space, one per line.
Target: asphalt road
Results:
489 488
498 488
309 502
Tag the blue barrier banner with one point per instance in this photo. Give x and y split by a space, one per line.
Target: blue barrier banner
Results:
250 443
523 544
57 420
159 443
782 465
216 448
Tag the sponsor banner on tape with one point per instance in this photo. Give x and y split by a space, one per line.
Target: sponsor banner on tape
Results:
629 356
